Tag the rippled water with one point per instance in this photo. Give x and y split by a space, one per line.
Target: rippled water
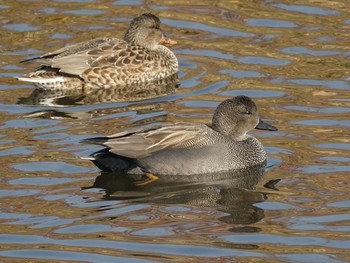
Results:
292 57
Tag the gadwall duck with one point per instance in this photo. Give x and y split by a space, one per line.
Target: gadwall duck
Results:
187 148
108 62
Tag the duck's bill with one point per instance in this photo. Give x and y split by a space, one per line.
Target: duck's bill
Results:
167 41
265 126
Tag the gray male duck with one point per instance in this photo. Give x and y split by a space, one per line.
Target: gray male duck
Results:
108 62
187 148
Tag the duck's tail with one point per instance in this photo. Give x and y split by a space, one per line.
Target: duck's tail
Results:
41 80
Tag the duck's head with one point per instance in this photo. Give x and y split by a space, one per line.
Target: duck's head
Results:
144 30
236 116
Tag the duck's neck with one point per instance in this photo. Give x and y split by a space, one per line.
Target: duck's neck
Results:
236 134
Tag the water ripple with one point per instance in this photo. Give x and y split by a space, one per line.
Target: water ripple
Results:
68 255
318 169
270 23
17 192
25 150
42 181
21 27
324 122
341 146
254 93
61 167
206 28
175 249
264 61
85 12
242 73
321 222
310 10
206 53
327 110
287 240
334 84
307 51
128 2
309 258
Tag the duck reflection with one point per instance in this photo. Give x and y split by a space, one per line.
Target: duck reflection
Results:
128 93
230 192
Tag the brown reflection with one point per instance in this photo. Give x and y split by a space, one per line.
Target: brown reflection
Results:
230 192
128 93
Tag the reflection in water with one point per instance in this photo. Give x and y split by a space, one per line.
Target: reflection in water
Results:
230 192
153 112
64 97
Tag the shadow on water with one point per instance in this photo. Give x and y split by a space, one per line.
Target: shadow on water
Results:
230 192
128 93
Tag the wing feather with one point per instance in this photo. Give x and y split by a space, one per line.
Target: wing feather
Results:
143 143
71 50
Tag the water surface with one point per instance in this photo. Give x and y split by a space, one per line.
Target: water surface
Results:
291 58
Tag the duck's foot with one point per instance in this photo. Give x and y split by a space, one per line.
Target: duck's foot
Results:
149 179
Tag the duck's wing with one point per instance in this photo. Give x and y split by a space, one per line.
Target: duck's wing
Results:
100 58
71 50
143 143
124 56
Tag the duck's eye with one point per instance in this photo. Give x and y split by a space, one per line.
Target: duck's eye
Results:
247 112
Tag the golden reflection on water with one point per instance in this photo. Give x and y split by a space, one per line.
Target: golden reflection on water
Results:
296 69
